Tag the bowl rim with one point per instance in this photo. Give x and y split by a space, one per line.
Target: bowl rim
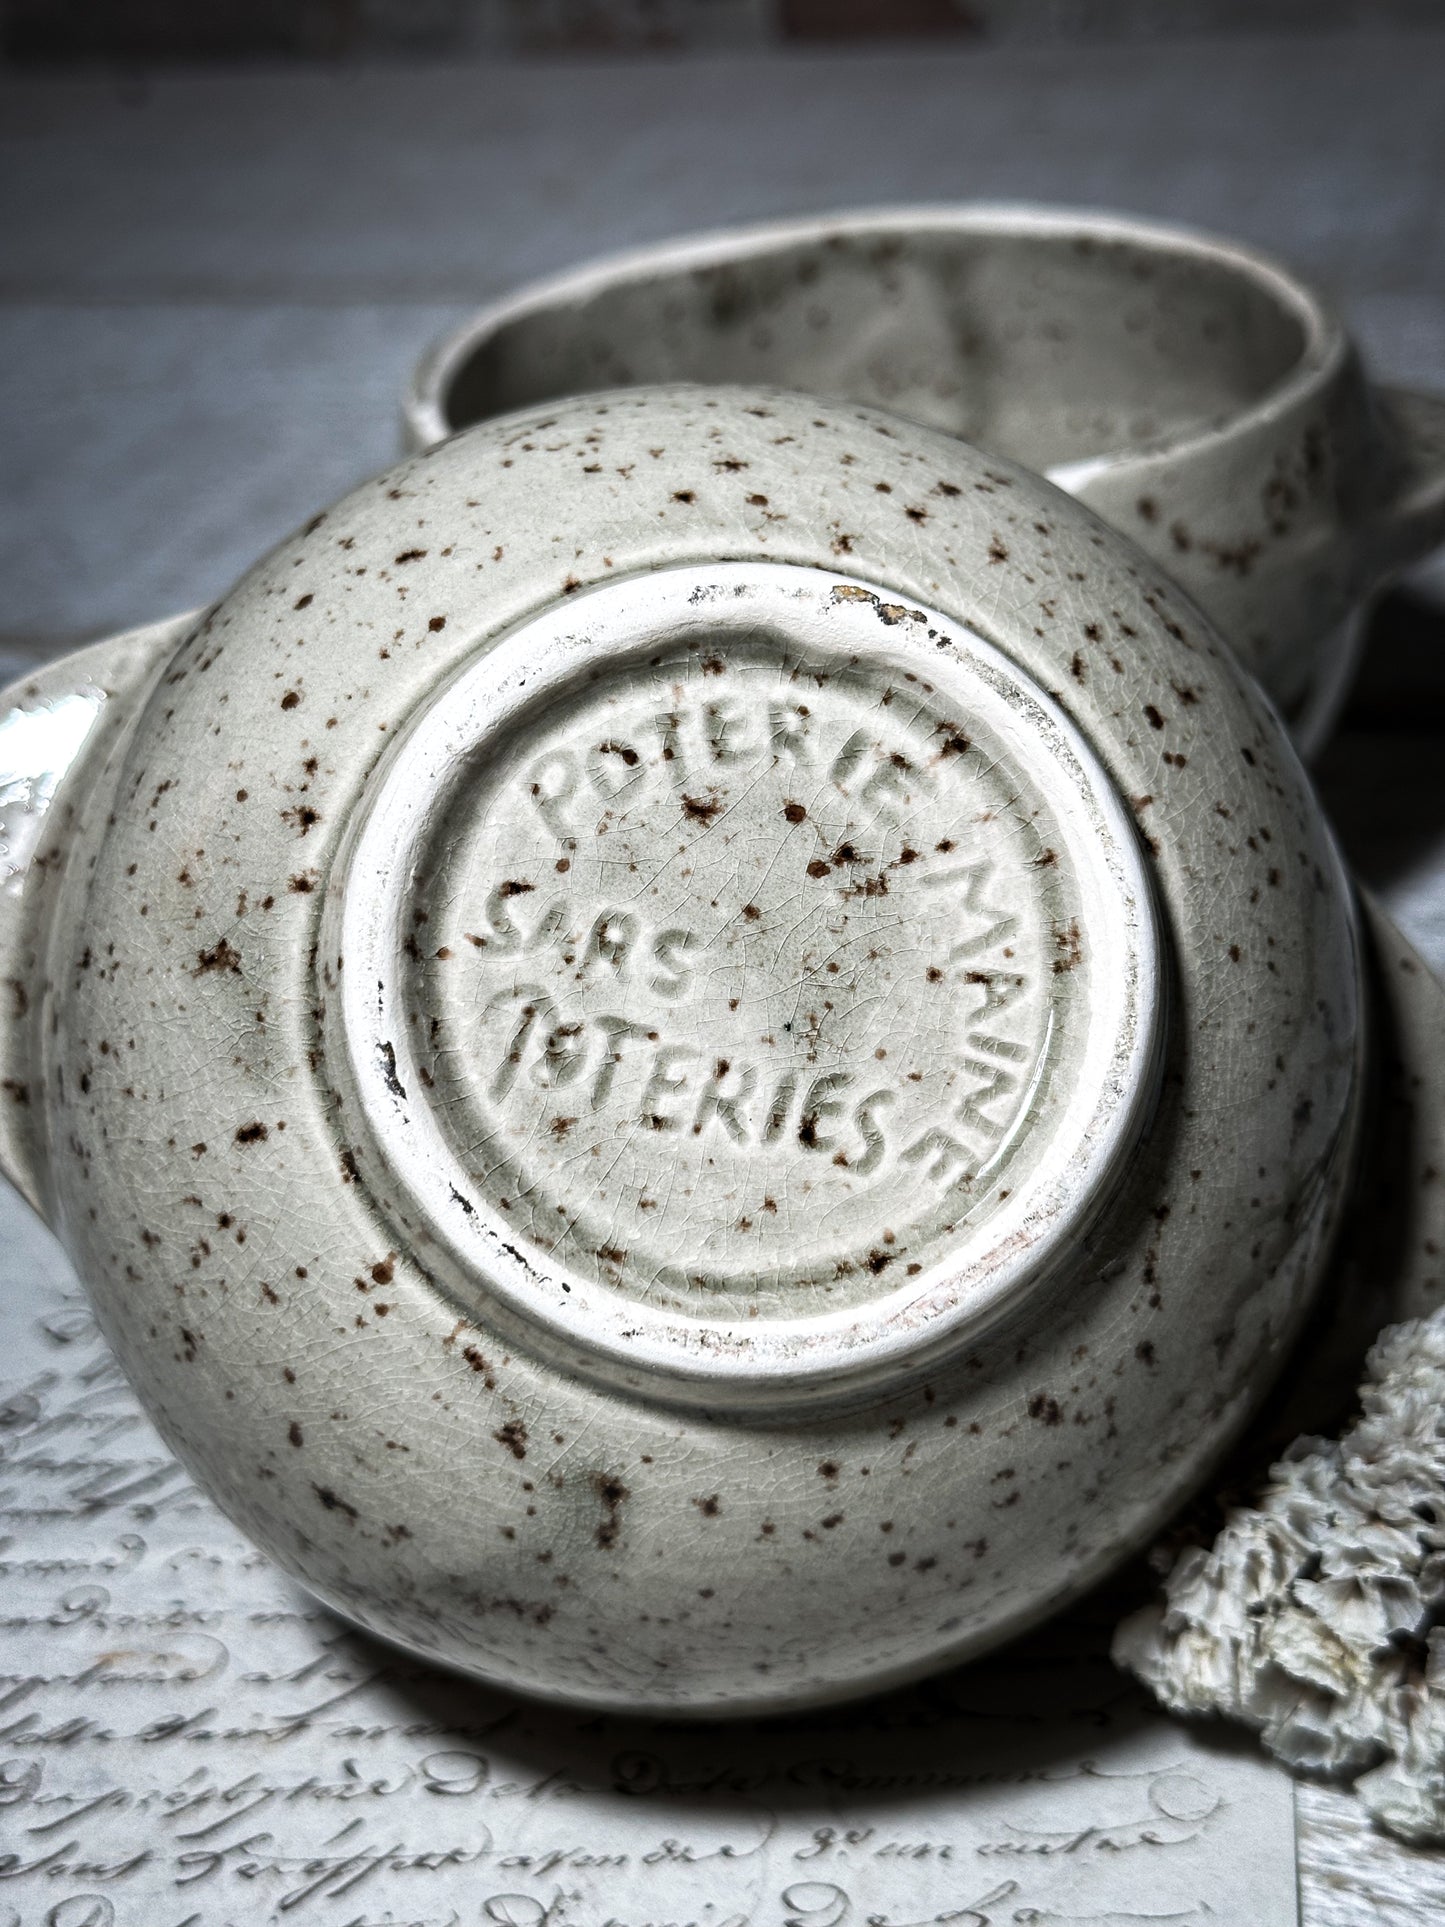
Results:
1323 356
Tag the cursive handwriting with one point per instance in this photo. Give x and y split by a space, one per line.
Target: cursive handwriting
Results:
186 1740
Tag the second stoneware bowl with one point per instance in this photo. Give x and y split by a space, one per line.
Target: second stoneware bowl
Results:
1194 393
700 1051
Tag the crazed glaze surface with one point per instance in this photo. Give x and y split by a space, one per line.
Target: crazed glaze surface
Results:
421 1445
790 991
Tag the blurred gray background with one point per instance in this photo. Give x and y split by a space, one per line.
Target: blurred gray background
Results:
227 230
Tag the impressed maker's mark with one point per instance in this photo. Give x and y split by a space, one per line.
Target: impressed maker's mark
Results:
743 977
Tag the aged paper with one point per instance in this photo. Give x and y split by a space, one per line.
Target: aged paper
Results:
187 1741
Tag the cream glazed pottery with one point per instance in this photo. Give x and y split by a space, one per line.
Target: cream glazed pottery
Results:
1193 392
700 1051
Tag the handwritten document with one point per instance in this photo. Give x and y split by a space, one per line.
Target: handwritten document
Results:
186 1740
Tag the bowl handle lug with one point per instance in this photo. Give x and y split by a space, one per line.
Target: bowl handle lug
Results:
62 729
1410 521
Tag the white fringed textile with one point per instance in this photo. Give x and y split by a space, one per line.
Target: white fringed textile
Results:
1313 1617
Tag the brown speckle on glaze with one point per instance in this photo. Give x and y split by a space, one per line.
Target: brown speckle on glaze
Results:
683 1513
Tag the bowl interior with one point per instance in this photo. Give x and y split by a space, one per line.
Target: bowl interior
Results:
1046 346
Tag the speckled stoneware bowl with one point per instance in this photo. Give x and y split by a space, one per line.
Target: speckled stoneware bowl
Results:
1192 392
700 1051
